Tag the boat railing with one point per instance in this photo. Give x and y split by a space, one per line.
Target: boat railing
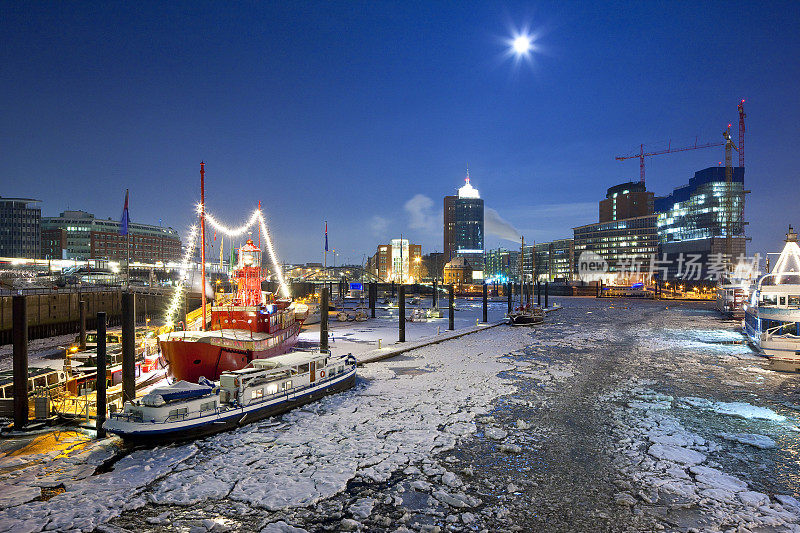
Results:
777 331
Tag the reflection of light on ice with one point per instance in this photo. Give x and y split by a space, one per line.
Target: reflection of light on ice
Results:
740 409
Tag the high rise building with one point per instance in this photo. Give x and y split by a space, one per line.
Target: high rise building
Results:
692 221
79 235
463 227
20 228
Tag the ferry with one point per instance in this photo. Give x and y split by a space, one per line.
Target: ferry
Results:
733 290
772 317
252 325
266 387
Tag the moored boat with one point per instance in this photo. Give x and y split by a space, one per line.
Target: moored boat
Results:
772 317
255 325
267 387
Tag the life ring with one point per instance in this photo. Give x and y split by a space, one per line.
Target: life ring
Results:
322 373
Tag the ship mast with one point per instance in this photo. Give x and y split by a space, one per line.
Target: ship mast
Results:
203 243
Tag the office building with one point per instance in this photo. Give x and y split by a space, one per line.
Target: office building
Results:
399 261
626 200
554 261
80 235
624 238
20 228
463 227
692 221
501 265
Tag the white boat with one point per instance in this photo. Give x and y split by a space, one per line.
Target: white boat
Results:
772 317
733 291
266 387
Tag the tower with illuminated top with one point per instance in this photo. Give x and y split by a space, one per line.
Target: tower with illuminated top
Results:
463 227
248 275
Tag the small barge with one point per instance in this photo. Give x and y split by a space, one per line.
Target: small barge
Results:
265 388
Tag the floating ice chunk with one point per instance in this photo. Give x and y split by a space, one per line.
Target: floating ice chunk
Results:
451 480
421 486
496 433
362 508
759 441
521 424
18 494
510 448
746 410
717 479
282 527
676 454
349 524
788 501
623 498
753 498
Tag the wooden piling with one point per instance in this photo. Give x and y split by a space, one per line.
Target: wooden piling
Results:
451 297
82 314
435 296
19 318
323 320
401 301
510 296
100 388
546 293
129 348
485 303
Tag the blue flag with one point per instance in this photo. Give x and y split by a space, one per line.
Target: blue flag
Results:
123 223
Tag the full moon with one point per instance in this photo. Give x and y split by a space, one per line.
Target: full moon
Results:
522 44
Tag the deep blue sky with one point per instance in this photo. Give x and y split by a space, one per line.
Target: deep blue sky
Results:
346 111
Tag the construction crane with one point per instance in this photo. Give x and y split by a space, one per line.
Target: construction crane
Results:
742 115
729 147
670 150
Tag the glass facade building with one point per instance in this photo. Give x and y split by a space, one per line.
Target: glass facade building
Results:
693 220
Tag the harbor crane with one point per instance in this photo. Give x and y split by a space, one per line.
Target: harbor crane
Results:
729 147
669 150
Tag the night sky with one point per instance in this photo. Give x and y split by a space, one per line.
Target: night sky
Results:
367 114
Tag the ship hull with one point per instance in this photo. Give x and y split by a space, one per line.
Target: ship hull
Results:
231 420
189 360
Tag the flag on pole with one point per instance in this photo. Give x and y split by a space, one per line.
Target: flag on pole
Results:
326 235
123 223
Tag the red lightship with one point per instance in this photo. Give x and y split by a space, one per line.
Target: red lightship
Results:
251 325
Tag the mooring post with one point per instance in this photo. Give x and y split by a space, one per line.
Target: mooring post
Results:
433 305
451 296
82 319
510 296
128 348
373 295
323 320
485 303
546 293
402 316
539 293
19 318
100 388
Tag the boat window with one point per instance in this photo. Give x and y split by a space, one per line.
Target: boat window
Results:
272 388
794 300
208 406
340 370
303 368
782 300
287 385
258 393
179 413
769 299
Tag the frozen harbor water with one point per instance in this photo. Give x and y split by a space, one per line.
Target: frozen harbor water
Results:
614 415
